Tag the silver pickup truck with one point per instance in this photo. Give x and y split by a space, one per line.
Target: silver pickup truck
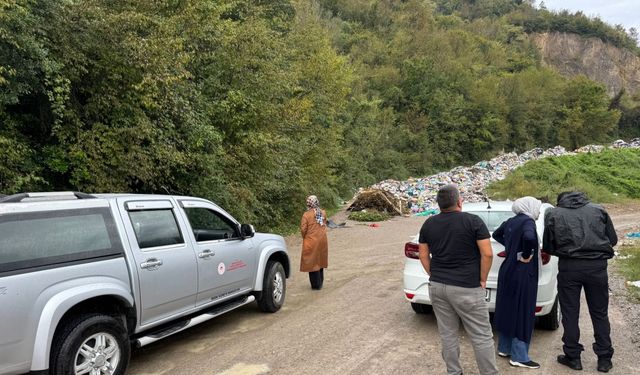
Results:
84 278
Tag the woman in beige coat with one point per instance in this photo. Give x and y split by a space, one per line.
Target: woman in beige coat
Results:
315 248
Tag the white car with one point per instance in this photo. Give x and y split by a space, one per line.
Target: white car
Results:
416 280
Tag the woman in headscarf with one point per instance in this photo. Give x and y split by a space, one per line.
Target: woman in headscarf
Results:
315 248
518 283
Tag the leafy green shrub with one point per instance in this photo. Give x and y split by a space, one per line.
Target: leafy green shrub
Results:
606 177
369 216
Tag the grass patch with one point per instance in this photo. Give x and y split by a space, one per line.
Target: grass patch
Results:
611 176
629 265
369 216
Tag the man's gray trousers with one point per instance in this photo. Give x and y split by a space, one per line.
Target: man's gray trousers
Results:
453 304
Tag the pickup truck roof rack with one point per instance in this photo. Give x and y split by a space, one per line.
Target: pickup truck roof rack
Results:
15 198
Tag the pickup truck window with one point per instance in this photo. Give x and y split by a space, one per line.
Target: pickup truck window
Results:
208 225
55 237
155 228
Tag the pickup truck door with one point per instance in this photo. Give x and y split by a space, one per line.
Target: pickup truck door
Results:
164 258
226 261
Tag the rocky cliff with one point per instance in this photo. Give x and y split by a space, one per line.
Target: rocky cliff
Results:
571 55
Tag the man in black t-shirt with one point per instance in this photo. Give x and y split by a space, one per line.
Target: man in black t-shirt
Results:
455 250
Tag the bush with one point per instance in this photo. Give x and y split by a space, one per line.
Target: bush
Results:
369 216
606 177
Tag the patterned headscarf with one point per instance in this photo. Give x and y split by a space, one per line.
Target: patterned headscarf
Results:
313 203
528 206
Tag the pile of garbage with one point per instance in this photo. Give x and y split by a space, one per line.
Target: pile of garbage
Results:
417 195
634 143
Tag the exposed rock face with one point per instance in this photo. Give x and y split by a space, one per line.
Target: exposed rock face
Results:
571 54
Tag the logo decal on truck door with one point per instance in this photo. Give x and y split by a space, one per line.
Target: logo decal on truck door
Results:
221 269
237 265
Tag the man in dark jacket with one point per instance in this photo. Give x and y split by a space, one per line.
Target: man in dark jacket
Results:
582 236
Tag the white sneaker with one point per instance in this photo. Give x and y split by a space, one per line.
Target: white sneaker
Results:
503 355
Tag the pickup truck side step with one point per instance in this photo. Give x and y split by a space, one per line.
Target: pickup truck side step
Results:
185 324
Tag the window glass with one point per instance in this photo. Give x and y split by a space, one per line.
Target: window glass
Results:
44 238
493 219
155 228
209 225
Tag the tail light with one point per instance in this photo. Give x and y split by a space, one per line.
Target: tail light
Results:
546 257
502 254
411 250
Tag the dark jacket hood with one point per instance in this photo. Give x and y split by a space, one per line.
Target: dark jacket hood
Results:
574 199
578 229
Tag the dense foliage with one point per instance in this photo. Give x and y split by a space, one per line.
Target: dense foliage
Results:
610 176
256 104
369 216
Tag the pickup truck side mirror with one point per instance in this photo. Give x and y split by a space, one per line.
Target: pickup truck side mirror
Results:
247 230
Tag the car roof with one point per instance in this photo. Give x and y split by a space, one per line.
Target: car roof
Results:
133 195
68 199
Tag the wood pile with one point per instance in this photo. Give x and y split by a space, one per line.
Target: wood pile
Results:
379 200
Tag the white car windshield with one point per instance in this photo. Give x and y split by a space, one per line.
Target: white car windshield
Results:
493 219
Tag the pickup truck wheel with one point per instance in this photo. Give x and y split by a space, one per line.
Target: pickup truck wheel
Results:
92 344
274 287
552 320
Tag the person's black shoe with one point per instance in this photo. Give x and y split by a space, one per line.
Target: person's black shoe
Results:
530 364
572 363
604 364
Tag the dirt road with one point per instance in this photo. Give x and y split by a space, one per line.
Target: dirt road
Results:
359 323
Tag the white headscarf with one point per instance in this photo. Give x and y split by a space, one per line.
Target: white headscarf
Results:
314 204
528 206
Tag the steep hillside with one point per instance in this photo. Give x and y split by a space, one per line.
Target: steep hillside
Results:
572 55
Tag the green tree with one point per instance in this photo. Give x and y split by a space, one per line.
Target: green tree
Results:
584 114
